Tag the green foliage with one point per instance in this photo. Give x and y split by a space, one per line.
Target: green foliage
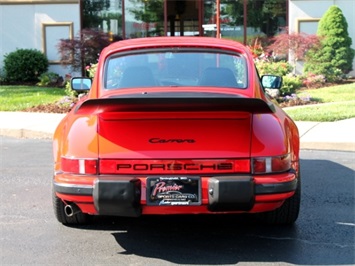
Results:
24 65
69 91
48 78
280 68
335 52
290 84
91 70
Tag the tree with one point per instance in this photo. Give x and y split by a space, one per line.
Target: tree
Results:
84 49
335 53
297 44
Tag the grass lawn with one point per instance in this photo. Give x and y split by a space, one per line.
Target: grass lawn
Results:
323 112
17 98
339 104
331 94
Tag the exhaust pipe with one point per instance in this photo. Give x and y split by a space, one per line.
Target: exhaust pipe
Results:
71 209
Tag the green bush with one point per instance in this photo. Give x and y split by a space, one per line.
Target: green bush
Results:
2 75
335 52
48 78
24 65
280 68
290 84
91 70
69 91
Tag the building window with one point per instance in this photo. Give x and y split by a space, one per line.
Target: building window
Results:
105 15
144 18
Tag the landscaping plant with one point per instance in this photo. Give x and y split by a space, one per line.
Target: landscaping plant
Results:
24 65
280 68
84 49
48 78
335 55
293 43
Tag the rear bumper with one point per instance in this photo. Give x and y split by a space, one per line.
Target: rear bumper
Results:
126 195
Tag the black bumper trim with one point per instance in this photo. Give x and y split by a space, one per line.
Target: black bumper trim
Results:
275 188
70 189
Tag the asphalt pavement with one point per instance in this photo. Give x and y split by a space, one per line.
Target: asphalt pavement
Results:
339 135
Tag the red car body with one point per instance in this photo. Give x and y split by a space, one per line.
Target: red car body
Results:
177 145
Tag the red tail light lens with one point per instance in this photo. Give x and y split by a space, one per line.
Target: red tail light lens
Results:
275 164
79 166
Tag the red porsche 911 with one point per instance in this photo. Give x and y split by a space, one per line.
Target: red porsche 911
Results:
176 125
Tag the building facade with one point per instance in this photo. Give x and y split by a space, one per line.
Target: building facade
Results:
40 24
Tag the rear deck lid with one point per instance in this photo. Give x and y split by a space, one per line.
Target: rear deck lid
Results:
174 126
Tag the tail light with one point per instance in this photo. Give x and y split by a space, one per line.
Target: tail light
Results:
275 164
79 166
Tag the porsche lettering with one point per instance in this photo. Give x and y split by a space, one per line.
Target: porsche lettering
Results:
175 167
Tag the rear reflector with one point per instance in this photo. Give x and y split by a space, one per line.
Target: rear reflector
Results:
276 164
79 166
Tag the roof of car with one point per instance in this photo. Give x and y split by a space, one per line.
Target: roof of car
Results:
151 42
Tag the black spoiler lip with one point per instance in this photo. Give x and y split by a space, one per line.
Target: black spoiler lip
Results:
170 102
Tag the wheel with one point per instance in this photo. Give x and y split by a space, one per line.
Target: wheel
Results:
76 218
287 214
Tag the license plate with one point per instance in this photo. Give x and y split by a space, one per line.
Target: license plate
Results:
173 191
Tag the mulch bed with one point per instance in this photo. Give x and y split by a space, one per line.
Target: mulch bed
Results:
49 108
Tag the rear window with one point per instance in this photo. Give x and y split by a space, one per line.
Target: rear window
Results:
180 68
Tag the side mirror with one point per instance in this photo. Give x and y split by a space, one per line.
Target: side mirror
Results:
271 82
80 84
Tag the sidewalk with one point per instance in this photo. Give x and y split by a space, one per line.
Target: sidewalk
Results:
338 135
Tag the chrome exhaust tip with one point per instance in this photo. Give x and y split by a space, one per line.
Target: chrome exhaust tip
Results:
71 209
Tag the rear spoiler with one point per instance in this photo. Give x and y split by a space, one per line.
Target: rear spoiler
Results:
157 103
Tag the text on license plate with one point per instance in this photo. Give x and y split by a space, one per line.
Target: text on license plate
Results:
173 191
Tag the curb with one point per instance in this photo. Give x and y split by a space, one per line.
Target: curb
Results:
326 146
25 134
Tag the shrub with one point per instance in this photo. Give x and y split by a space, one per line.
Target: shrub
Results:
335 52
68 90
91 70
2 75
281 68
290 84
297 44
24 65
314 80
48 78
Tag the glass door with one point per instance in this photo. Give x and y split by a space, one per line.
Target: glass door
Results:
183 17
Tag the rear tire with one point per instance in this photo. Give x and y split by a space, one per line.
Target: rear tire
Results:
287 214
58 206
